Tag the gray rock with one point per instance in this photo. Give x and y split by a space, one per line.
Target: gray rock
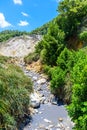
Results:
35 104
43 100
41 81
34 78
41 126
51 126
46 120
39 88
36 111
53 100
35 100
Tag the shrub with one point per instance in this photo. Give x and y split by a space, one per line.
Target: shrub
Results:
15 88
58 81
31 57
78 107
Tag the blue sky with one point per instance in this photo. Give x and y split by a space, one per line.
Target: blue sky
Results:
26 15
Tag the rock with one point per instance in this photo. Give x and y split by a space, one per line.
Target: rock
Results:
39 88
32 111
58 125
41 126
61 126
41 81
47 128
46 120
34 100
43 100
42 95
34 78
34 104
40 112
35 96
19 46
54 103
53 100
51 126
68 128
36 111
60 119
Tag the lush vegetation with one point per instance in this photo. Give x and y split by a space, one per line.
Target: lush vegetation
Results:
15 88
7 34
64 62
41 30
78 107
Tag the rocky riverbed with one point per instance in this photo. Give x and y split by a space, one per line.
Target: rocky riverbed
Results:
48 113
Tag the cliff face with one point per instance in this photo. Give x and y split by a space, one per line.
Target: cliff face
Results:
19 46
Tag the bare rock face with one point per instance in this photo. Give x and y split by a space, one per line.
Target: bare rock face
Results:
19 46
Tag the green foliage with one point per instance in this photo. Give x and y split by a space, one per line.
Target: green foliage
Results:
72 13
69 76
66 60
78 107
3 59
41 30
31 57
48 70
61 74
83 36
39 47
52 45
7 34
15 88
57 82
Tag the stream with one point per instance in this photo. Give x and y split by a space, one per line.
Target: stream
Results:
51 114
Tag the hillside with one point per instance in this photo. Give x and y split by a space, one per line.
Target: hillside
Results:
7 34
41 30
19 46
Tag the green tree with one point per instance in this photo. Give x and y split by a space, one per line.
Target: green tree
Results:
66 60
72 13
78 107
53 44
58 81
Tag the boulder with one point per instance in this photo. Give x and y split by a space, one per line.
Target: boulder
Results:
35 100
53 100
34 104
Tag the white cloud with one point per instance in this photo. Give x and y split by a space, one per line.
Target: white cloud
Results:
3 22
17 2
23 23
24 14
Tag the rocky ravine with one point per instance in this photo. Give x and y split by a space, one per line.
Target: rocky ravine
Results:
48 113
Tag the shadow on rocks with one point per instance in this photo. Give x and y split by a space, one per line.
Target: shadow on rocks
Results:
25 121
